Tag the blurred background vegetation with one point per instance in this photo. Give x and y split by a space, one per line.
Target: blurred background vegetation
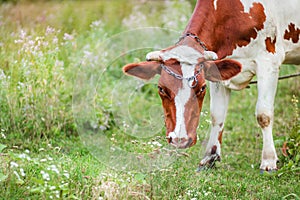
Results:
44 42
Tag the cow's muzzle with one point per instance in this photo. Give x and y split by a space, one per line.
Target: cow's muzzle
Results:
181 143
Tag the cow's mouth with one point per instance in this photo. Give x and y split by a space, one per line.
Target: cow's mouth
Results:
181 143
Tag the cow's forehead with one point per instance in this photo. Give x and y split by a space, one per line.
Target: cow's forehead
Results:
183 54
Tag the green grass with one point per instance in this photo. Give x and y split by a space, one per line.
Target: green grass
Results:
60 71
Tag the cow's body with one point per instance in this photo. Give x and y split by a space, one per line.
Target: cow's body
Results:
275 44
257 36
262 57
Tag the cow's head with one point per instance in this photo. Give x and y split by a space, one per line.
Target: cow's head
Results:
183 69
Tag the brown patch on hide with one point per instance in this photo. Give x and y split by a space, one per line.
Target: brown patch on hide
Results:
292 33
227 26
263 120
270 45
213 150
220 136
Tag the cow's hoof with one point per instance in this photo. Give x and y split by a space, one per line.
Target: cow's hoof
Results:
205 168
268 165
208 162
202 168
262 171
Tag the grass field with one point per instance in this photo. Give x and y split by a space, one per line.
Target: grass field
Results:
63 91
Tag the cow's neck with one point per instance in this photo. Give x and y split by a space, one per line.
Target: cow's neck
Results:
216 24
200 23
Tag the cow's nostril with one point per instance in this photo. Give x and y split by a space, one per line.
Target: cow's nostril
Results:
189 143
169 139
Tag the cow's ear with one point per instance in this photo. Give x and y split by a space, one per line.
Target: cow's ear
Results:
221 69
143 70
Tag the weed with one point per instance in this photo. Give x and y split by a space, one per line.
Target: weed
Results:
291 146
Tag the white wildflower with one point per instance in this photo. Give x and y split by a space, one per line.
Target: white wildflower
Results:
52 187
20 85
45 44
96 24
59 63
102 128
55 40
87 54
18 41
136 19
68 37
50 30
17 175
175 16
22 172
2 75
31 43
57 194
13 164
23 34
53 168
188 192
206 193
22 156
157 143
45 175
66 174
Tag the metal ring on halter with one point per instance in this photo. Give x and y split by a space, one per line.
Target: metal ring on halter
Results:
178 76
193 79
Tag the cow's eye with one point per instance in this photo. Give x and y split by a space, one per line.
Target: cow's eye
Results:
161 91
202 89
164 92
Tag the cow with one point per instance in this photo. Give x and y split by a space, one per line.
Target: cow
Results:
226 42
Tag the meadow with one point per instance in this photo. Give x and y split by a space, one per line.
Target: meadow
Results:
72 126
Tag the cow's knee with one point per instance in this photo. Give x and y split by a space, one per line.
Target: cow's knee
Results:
263 120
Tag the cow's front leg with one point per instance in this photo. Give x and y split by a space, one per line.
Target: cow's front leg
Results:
267 77
219 99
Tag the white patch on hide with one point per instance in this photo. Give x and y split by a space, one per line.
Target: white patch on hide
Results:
181 99
171 135
215 4
153 56
247 5
184 54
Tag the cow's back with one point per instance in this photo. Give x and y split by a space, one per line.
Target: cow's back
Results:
276 43
281 28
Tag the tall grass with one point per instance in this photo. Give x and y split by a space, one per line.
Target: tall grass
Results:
42 50
35 92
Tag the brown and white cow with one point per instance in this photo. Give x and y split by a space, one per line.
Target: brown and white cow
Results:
226 42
